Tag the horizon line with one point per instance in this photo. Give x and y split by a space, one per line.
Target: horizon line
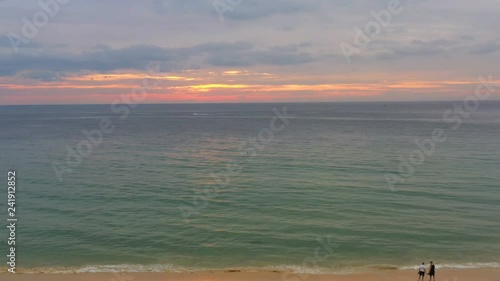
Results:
266 102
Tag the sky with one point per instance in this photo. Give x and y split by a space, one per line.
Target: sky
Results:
198 51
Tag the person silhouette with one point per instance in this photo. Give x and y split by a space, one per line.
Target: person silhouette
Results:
432 271
421 272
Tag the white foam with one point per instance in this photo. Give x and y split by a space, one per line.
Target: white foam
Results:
130 268
470 265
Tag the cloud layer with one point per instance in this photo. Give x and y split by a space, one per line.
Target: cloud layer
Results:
290 44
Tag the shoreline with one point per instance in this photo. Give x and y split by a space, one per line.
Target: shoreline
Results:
295 269
484 274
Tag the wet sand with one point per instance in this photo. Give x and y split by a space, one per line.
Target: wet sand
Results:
383 275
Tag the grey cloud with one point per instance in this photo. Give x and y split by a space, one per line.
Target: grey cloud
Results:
279 55
42 75
134 31
256 9
291 47
105 59
221 47
5 42
443 46
437 42
485 48
417 47
101 58
260 57
282 58
230 60
418 50
163 7
244 10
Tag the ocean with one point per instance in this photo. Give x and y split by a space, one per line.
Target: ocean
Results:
307 187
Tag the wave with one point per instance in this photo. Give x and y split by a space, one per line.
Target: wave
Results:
168 268
136 268
470 265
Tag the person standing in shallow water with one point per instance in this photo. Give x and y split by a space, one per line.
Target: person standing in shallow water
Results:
432 272
421 272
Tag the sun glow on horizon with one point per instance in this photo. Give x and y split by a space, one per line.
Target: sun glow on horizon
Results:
214 86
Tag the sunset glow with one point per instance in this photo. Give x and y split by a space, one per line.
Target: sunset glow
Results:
265 59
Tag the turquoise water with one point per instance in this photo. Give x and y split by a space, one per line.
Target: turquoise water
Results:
144 199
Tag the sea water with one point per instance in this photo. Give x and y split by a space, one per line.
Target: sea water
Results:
254 186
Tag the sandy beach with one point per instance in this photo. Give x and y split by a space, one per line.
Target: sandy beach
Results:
389 275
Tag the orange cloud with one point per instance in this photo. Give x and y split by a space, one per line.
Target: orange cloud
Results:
222 86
